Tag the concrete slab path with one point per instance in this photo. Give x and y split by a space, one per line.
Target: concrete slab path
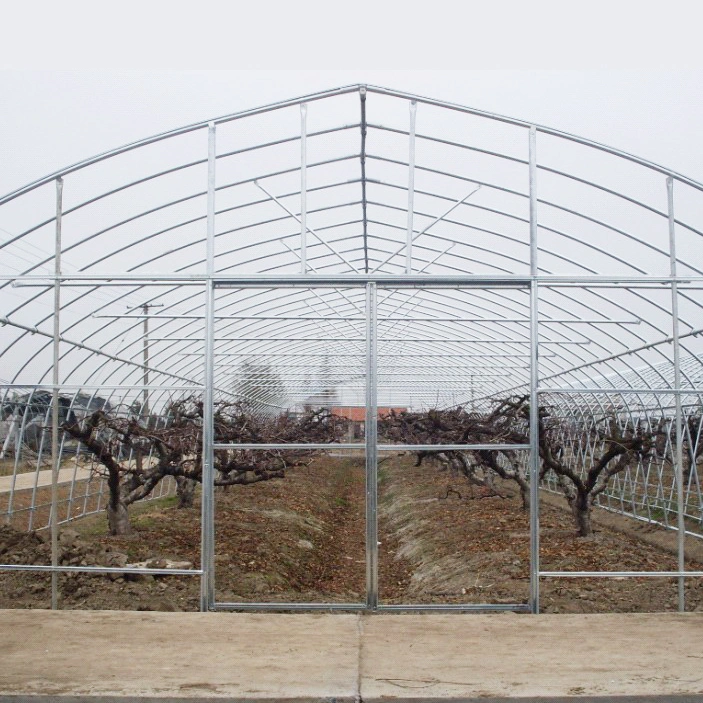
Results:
71 656
25 481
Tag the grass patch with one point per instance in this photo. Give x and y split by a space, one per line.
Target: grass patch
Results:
143 515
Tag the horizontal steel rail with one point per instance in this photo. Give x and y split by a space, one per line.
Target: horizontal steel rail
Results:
357 318
292 607
98 387
354 280
436 340
100 570
341 607
454 607
612 390
621 574
333 355
381 447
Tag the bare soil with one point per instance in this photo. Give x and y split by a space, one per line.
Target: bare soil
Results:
302 539
31 508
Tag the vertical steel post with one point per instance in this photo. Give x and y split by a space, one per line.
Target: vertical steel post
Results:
55 449
677 386
303 189
207 556
411 189
534 379
371 450
362 160
145 359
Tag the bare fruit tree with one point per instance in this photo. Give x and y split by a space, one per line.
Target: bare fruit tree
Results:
505 424
134 458
584 459
611 450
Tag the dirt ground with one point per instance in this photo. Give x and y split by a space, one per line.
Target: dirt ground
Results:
301 539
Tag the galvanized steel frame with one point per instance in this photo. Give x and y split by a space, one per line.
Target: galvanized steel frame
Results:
366 273
371 447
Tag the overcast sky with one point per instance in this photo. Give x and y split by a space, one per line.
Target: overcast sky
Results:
80 77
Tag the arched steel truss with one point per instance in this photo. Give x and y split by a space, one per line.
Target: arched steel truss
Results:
363 246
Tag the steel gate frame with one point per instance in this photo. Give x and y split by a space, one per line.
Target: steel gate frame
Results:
371 446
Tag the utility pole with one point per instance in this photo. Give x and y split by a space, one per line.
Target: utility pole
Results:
145 355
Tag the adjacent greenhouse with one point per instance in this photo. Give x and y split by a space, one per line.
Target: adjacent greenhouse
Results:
355 279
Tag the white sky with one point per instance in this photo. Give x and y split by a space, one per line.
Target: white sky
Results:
628 74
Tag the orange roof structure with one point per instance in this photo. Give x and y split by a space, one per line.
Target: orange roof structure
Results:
358 413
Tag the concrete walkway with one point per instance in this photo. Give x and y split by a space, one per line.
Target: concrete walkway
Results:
42 478
113 656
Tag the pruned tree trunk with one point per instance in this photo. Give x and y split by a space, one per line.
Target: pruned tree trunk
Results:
118 518
117 512
185 490
524 492
580 505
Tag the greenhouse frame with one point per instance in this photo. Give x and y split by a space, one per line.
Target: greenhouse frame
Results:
356 248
